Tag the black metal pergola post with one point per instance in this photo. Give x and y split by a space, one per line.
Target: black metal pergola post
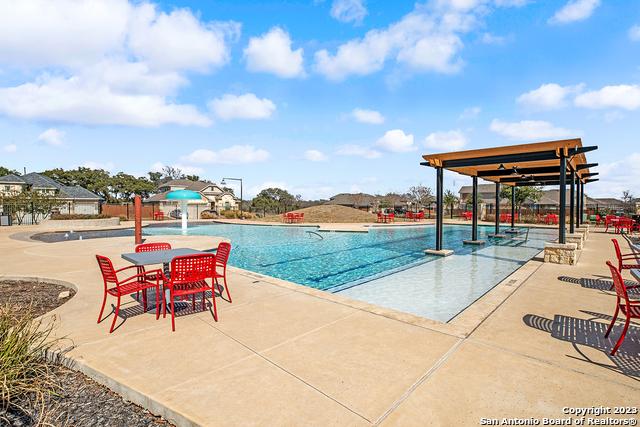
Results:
513 207
439 208
572 200
581 210
563 198
578 201
497 230
474 210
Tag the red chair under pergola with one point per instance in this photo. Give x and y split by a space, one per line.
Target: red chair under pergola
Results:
630 308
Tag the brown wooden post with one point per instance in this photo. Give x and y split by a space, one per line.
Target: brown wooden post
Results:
138 219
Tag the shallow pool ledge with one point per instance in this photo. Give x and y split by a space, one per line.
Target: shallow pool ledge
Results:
441 252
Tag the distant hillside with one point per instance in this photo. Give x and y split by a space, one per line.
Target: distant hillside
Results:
328 213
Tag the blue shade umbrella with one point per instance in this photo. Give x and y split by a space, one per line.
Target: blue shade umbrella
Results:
183 196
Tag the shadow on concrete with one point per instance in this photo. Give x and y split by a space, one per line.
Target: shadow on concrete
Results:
590 333
600 284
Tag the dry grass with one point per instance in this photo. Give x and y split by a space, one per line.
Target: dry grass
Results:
328 214
25 374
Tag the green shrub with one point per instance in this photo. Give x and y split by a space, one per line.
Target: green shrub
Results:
26 375
78 216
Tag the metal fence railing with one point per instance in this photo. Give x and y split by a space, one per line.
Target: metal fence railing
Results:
22 214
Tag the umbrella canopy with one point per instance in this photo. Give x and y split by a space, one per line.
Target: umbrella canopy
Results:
183 195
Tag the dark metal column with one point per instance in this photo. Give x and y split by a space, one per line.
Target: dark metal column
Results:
474 209
439 208
513 207
572 197
581 203
497 231
578 200
563 198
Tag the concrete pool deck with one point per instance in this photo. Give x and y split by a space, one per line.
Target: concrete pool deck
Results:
283 354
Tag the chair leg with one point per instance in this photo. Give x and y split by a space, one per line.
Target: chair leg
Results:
115 316
193 302
157 302
104 301
613 320
225 286
213 300
203 302
144 300
624 334
173 314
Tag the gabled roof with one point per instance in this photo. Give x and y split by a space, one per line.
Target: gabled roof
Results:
11 179
77 192
176 183
482 188
40 181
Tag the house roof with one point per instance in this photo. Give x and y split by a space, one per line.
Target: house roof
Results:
364 199
609 201
37 180
11 179
482 188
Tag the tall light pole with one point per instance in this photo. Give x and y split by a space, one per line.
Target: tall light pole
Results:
223 182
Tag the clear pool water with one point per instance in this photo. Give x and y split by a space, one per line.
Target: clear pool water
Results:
386 266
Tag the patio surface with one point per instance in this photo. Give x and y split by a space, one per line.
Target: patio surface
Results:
283 354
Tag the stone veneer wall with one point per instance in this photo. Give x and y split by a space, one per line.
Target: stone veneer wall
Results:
559 253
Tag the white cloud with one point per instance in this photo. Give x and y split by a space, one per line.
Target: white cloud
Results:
75 101
616 177
634 33
315 156
574 10
271 53
371 117
236 154
548 96
358 151
396 141
10 148
621 96
446 141
349 10
52 136
527 130
106 61
470 113
488 38
247 106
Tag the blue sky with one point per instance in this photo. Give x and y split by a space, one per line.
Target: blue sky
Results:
318 97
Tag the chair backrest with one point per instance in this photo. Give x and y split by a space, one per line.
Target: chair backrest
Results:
222 254
616 246
192 268
106 268
618 283
152 247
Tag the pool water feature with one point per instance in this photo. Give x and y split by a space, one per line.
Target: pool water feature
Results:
386 266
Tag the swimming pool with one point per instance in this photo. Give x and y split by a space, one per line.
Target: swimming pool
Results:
386 266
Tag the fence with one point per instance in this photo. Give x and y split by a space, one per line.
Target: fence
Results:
23 214
127 210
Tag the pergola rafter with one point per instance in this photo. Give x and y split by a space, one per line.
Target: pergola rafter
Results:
543 163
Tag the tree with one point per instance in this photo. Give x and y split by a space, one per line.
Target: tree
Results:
30 202
628 199
155 178
192 177
420 195
263 203
450 199
5 171
228 190
95 180
531 193
170 172
125 186
279 199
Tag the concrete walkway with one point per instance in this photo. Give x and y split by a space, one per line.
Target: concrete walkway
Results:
284 354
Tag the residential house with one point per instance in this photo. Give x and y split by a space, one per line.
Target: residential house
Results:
368 202
73 199
212 197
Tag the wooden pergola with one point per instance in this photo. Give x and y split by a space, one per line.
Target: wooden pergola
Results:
541 164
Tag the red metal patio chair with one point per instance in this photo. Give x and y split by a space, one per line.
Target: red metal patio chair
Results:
222 256
391 217
630 308
152 247
409 215
189 274
624 224
623 259
127 286
609 220
419 216
380 217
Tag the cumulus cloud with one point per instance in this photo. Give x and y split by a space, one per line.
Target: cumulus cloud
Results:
616 177
10 148
315 156
236 154
106 61
358 151
527 130
349 10
272 53
548 96
396 141
52 136
574 10
446 141
634 33
371 117
626 97
488 38
247 106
